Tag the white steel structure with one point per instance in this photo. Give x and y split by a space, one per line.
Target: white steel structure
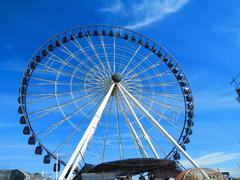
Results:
101 93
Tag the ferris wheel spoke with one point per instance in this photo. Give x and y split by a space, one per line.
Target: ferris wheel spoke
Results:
136 139
96 89
106 131
74 131
162 84
95 83
56 124
150 77
60 93
70 102
114 55
55 58
86 138
159 127
156 64
105 53
47 96
175 111
58 72
123 55
159 146
133 87
165 117
67 118
60 60
137 65
53 82
88 39
118 128
49 80
164 94
68 52
49 62
164 104
42 99
145 135
77 44
132 82
135 84
94 74
74 68
41 116
175 96
63 104
130 61
93 90
55 71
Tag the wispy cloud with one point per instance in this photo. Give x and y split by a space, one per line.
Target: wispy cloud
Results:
144 12
116 7
216 99
230 27
212 159
232 30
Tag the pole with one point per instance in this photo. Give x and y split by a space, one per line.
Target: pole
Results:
161 129
83 143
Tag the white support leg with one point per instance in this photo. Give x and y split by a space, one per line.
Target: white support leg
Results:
161 129
83 143
145 135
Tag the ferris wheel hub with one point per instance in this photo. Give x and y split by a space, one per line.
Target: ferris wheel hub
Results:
116 78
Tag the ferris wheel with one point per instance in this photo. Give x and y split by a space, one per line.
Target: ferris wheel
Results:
99 93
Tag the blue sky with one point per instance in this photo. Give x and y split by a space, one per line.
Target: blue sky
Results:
204 36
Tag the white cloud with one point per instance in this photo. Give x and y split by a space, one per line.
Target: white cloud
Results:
229 27
212 159
232 30
216 99
117 6
144 12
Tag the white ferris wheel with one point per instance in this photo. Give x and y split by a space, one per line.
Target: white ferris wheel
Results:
101 93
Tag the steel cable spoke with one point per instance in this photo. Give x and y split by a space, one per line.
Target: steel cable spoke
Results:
60 146
135 137
118 128
106 130
77 44
143 60
134 54
88 39
61 105
105 53
61 121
